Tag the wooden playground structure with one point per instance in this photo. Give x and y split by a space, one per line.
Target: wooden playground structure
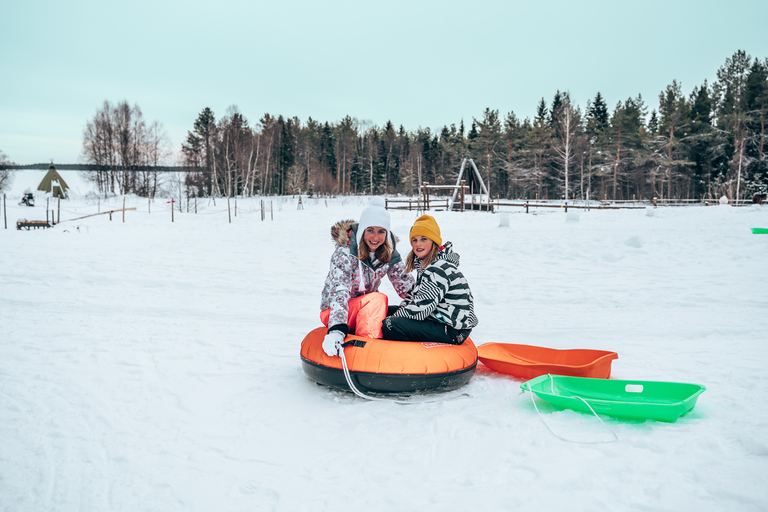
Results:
464 196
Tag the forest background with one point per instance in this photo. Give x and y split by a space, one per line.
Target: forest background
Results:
704 143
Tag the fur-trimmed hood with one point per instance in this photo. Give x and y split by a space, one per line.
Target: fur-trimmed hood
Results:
340 232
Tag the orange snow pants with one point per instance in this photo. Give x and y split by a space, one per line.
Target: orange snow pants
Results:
365 315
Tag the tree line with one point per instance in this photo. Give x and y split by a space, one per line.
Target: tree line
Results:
707 143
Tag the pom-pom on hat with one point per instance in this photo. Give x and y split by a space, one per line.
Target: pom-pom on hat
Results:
374 215
426 225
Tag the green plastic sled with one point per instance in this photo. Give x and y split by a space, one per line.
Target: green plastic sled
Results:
654 400
760 231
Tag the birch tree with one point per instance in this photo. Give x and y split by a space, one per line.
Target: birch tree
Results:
567 130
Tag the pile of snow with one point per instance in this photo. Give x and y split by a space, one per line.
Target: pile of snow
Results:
154 365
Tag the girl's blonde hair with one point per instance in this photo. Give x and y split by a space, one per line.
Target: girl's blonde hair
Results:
383 252
410 261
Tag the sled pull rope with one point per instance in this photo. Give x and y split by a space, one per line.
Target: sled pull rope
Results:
552 386
359 393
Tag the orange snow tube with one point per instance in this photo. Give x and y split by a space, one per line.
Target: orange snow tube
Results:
385 366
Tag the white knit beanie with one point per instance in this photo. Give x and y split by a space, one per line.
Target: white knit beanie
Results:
374 215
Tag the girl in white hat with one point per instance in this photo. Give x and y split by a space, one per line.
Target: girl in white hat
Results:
365 253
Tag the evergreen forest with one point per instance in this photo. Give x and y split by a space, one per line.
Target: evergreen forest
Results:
696 144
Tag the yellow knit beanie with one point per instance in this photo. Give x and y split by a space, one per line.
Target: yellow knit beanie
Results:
426 225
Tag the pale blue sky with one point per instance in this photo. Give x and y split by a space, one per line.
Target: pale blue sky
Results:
417 63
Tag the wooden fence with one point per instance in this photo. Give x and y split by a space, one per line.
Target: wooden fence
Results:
428 203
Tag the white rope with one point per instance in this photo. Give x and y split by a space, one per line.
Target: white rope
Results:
361 287
359 393
552 386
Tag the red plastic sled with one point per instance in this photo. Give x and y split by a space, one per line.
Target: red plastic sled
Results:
528 362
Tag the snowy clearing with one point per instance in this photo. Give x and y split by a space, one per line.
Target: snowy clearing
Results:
154 365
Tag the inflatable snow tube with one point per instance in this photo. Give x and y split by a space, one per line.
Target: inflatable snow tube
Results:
383 366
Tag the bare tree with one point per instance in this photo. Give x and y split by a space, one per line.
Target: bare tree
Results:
6 175
295 179
156 152
568 123
118 141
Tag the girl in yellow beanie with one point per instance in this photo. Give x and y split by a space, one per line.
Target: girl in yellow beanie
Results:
440 307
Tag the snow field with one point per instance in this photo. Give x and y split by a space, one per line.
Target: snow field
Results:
151 365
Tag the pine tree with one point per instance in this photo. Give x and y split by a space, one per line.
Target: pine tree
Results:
328 150
756 106
556 110
514 143
729 89
472 135
598 133
700 141
391 172
488 138
626 139
540 143
597 116
286 152
673 126
653 124
541 112
347 140
200 146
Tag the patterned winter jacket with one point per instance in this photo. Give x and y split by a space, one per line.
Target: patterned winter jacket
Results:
441 293
344 277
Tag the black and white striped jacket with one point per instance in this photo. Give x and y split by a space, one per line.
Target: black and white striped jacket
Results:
441 293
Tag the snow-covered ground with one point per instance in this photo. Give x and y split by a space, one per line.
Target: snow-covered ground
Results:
154 365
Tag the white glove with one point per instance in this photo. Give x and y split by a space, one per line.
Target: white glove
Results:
332 343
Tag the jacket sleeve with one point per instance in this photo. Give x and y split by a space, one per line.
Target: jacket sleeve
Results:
340 284
431 291
401 282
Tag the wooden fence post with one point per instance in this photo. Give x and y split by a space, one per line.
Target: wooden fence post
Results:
271 211
171 209
5 213
123 208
